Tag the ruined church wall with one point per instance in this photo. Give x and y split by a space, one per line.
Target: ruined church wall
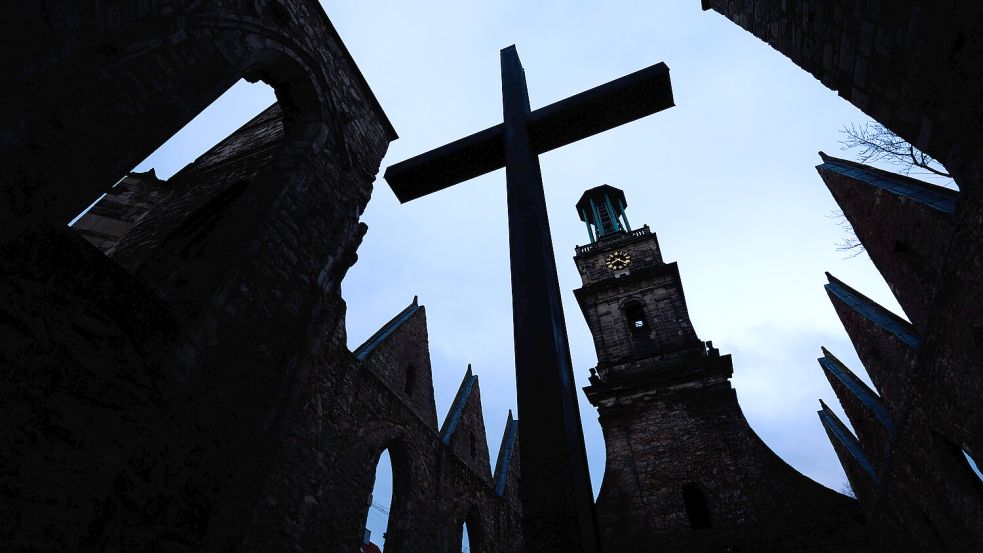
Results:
914 67
188 401
318 494
926 497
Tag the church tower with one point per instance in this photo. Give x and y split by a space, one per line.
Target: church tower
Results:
684 469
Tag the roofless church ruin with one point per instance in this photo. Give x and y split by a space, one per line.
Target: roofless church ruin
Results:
175 368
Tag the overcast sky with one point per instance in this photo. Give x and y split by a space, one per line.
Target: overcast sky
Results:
726 179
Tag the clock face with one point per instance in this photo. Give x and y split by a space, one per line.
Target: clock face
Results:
617 260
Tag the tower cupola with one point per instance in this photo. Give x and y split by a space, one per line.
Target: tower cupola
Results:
603 210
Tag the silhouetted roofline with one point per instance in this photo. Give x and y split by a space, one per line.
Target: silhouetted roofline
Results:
363 351
505 452
373 101
859 388
457 408
874 312
937 197
846 439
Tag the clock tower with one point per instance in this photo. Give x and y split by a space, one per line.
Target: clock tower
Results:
633 301
684 470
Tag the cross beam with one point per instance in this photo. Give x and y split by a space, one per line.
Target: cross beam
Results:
557 501
601 108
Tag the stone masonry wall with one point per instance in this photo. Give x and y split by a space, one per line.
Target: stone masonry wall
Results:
317 497
191 394
665 438
914 66
927 497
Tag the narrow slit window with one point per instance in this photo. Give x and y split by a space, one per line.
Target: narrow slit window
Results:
409 384
696 507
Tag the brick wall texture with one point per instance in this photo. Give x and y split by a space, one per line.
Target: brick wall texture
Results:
916 67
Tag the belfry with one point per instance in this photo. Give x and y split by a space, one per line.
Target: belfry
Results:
603 209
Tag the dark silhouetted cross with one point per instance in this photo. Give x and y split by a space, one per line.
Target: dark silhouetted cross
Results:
557 502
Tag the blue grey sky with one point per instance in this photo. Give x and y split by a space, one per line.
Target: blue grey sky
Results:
726 178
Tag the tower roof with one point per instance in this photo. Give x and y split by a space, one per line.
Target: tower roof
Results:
583 205
602 208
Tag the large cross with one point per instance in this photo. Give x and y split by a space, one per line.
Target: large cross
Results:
557 502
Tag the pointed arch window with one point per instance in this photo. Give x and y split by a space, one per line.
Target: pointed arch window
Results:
380 502
470 532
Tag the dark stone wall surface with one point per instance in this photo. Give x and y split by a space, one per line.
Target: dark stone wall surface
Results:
914 66
317 496
124 205
927 499
146 396
99 86
662 437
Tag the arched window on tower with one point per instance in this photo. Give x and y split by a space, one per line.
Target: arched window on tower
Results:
696 507
409 382
637 322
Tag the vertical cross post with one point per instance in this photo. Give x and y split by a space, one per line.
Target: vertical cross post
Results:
557 501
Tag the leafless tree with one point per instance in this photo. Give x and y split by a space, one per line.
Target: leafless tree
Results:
850 244
877 143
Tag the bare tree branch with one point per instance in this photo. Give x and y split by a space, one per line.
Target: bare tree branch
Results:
877 143
851 245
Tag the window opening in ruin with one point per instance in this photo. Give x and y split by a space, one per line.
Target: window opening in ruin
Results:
466 539
410 381
973 466
234 108
380 502
696 507
636 317
474 445
962 457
